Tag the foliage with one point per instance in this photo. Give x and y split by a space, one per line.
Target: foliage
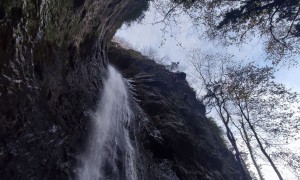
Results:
248 101
269 103
278 21
137 12
174 66
275 22
217 129
151 53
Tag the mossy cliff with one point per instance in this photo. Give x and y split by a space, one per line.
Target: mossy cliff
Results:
53 59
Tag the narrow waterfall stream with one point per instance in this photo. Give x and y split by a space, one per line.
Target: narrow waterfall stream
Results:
109 153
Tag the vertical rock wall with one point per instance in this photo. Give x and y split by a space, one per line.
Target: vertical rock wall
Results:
52 55
173 137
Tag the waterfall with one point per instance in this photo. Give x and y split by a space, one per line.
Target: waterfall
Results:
109 153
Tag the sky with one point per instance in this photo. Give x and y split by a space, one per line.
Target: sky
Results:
149 34
178 41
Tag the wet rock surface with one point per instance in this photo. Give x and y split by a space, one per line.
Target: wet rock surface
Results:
53 60
174 138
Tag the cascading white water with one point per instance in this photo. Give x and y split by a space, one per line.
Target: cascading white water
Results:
109 153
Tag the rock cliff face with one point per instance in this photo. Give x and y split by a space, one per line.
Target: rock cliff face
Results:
174 138
53 58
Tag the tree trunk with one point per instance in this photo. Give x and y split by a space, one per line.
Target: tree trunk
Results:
232 140
247 141
261 146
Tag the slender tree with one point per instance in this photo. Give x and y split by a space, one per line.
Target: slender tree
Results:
247 140
251 101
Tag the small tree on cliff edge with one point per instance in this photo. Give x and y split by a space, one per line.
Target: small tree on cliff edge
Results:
248 101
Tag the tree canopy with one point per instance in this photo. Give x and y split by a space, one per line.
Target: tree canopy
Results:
248 101
275 22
